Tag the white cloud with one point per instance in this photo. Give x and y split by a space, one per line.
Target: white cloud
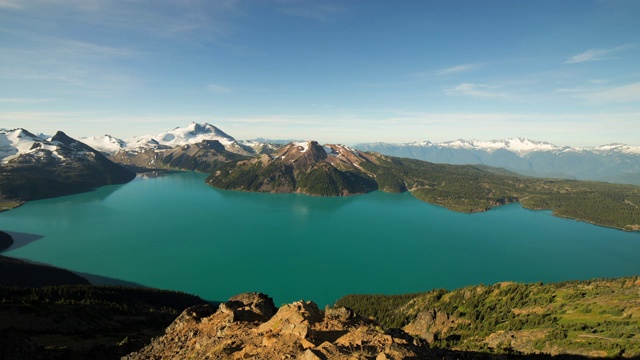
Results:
457 69
477 90
597 54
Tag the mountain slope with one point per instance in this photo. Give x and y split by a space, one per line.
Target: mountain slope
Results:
48 168
334 170
589 318
194 157
303 167
613 162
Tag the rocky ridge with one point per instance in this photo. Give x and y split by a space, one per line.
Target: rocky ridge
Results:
249 326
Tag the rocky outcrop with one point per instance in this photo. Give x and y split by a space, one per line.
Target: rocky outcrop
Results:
248 327
429 323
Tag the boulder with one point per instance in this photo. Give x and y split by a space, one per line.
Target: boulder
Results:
295 318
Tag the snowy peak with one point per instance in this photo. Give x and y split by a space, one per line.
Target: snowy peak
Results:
19 142
106 144
617 148
191 134
15 142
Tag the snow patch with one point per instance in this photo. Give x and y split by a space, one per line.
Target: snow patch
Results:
106 144
303 144
329 150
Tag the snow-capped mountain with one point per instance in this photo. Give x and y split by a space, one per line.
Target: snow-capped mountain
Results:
194 133
191 134
615 148
15 142
35 168
518 145
613 162
106 144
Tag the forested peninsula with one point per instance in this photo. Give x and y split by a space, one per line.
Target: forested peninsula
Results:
335 170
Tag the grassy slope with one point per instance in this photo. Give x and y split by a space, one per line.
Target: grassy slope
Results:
595 318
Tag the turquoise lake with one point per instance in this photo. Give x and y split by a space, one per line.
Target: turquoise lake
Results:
175 232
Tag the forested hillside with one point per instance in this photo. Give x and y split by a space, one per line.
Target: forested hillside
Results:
594 318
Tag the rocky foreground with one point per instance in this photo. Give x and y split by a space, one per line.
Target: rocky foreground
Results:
249 326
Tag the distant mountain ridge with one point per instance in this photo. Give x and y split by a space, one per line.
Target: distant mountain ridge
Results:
618 163
612 162
193 133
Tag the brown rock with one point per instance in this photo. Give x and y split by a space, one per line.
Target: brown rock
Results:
245 327
310 355
294 319
249 307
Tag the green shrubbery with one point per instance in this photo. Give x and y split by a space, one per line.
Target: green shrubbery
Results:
593 314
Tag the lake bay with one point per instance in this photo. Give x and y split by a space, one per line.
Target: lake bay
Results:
175 232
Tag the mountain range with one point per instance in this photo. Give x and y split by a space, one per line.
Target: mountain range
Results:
613 162
35 168
617 163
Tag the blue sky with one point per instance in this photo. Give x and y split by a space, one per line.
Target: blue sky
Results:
566 71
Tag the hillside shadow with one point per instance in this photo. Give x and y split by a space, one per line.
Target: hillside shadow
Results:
108 281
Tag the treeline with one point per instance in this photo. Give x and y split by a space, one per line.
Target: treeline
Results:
129 299
84 321
577 316
15 272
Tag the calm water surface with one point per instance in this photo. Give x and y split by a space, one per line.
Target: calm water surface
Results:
175 232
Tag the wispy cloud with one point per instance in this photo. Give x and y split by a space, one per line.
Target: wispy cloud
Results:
23 101
597 54
165 19
218 89
477 90
457 69
622 94
9 4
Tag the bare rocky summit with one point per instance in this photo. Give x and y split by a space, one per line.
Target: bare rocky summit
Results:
249 326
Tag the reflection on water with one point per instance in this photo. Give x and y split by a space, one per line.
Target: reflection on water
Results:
298 203
153 174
